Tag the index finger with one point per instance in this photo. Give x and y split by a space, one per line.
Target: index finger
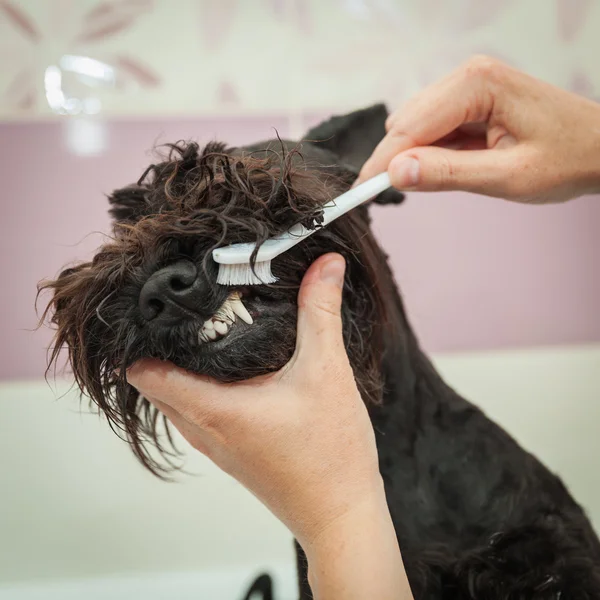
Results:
462 97
171 385
191 395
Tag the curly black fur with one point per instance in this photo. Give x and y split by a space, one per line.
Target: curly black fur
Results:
477 517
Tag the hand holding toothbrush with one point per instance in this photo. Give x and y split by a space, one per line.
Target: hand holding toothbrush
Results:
492 130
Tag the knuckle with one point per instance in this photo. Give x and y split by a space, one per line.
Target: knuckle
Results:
396 129
327 306
477 77
399 133
445 173
482 66
525 178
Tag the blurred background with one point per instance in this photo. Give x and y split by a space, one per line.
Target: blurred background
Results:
505 297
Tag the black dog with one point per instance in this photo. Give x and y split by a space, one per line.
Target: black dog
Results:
477 517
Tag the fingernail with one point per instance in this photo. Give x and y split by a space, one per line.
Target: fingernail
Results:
333 272
406 173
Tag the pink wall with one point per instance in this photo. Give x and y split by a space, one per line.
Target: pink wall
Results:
475 273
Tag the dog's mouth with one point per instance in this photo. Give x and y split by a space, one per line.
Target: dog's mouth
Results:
227 333
243 312
232 313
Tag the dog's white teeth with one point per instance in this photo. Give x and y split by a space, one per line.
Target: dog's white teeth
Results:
221 327
237 306
225 313
218 325
229 306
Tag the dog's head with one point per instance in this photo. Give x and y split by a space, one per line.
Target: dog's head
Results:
151 290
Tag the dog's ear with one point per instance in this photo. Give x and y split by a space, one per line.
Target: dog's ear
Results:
352 138
128 204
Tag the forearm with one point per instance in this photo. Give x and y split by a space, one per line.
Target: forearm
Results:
358 557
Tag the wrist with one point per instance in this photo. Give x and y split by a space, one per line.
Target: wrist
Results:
345 505
357 555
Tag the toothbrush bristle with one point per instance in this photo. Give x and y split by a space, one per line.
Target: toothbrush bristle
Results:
243 274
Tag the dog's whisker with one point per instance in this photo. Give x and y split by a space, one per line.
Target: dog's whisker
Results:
98 308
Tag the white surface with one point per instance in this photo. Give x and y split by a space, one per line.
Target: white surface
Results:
220 584
77 510
75 502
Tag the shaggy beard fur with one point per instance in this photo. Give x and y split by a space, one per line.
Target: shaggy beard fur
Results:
476 516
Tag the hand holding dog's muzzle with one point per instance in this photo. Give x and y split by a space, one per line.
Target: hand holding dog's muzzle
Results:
299 439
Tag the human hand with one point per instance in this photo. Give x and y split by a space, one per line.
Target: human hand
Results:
299 439
490 129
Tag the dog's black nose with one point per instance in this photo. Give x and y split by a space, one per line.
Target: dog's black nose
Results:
172 294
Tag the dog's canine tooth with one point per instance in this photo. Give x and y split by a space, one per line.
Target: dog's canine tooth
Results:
228 309
221 327
222 313
237 306
208 325
211 334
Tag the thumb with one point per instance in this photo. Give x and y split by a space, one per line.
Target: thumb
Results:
319 307
432 168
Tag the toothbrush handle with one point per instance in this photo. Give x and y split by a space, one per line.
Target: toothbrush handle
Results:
355 197
331 211
240 253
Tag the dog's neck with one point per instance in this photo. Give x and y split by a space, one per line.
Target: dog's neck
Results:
409 376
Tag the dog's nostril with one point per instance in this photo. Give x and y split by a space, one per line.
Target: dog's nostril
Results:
178 284
171 293
155 307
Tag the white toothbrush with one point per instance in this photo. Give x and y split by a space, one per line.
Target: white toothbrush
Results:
234 260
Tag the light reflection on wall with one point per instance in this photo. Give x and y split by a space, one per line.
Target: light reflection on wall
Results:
71 90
